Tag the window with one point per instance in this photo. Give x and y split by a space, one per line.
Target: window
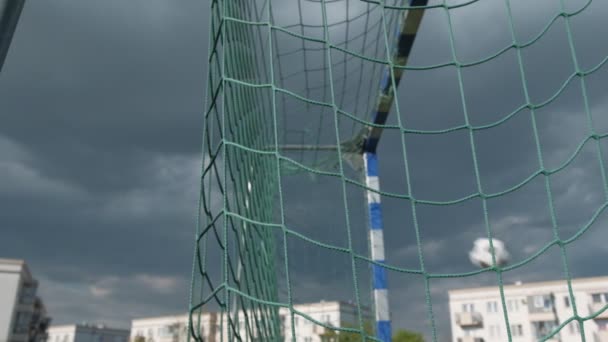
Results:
600 297
22 322
542 302
307 339
567 301
492 307
517 330
165 331
468 307
513 305
28 294
495 330
543 328
573 328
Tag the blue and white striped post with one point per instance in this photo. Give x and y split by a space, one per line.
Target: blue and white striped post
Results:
407 30
376 237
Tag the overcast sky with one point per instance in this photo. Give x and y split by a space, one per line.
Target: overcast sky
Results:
102 107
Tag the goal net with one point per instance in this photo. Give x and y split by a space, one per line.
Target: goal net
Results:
353 151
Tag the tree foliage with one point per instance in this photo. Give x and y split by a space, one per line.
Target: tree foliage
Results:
342 336
347 336
407 336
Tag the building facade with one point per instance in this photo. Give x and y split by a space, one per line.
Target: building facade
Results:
23 316
210 327
164 329
87 333
534 310
334 314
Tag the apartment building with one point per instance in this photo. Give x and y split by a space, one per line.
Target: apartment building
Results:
23 316
169 328
534 310
174 328
86 333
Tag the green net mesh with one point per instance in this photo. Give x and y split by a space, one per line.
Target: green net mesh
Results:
292 88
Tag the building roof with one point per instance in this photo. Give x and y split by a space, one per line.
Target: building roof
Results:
87 326
161 318
15 266
306 307
12 261
528 285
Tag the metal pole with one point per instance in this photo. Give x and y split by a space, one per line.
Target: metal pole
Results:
405 36
376 238
10 10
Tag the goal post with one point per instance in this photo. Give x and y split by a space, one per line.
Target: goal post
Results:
307 101
406 35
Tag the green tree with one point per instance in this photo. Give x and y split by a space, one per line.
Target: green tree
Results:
344 336
407 336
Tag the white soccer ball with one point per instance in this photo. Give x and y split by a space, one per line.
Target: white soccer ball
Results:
481 255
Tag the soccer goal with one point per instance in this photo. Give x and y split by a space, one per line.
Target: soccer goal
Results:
354 150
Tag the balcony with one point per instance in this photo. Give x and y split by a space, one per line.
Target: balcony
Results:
470 339
595 307
469 319
542 316
601 336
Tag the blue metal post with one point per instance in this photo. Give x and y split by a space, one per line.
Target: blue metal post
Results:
405 36
376 238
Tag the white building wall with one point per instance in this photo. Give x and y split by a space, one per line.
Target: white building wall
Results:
22 313
331 313
62 333
526 305
10 280
172 328
327 313
86 333
336 314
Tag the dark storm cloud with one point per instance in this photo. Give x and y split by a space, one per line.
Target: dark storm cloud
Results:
442 168
100 153
99 150
74 85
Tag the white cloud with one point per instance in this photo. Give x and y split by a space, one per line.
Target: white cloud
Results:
431 249
171 190
112 299
108 285
99 292
162 284
21 178
104 286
